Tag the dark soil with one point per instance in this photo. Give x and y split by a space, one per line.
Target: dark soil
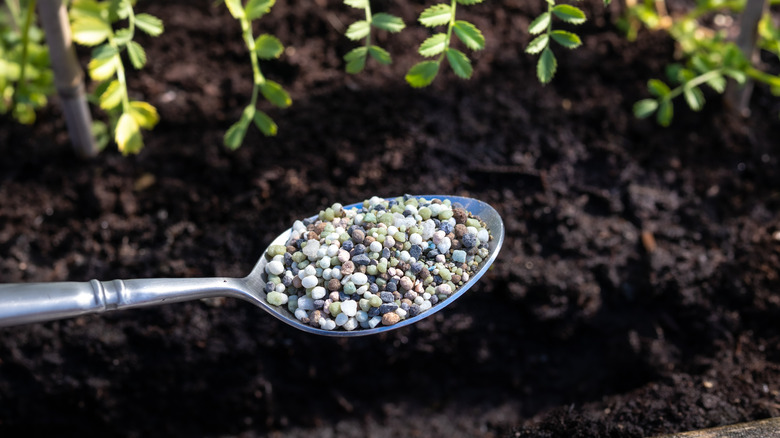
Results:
636 293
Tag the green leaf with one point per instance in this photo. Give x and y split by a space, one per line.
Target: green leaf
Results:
539 24
469 34
236 133
460 63
658 88
570 14
717 83
436 15
359 4
566 39
257 8
356 60
645 107
387 22
739 76
469 2
545 68
268 47
137 54
422 73
144 114
275 94
123 36
149 24
235 8
90 31
381 55
104 51
87 8
665 113
434 45
119 10
358 52
265 124
127 135
103 68
358 30
538 44
112 96
694 97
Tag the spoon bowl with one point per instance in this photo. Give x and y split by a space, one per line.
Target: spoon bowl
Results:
22 303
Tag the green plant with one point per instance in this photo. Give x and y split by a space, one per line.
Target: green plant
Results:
264 47
543 27
709 58
25 77
92 23
438 46
361 29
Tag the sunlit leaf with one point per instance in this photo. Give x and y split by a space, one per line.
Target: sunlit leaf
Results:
694 97
539 24
387 22
434 45
645 107
422 73
538 44
469 35
570 14
566 39
144 114
112 96
136 54
149 24
359 4
90 31
127 135
236 9
358 30
436 15
102 69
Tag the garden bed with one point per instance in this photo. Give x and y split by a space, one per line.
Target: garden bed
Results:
636 293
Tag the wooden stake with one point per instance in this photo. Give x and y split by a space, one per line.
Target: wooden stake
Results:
68 76
739 96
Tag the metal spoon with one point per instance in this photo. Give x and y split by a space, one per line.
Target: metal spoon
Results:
22 303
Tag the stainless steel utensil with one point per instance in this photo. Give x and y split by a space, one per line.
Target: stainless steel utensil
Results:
22 303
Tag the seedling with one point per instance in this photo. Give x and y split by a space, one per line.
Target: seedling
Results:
438 46
264 47
361 29
93 24
25 76
543 27
709 57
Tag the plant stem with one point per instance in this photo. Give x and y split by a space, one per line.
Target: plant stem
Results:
450 25
249 39
695 82
369 18
25 45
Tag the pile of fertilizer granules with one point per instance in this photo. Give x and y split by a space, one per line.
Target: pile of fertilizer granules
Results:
378 264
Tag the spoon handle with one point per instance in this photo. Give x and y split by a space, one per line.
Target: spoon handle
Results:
22 303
